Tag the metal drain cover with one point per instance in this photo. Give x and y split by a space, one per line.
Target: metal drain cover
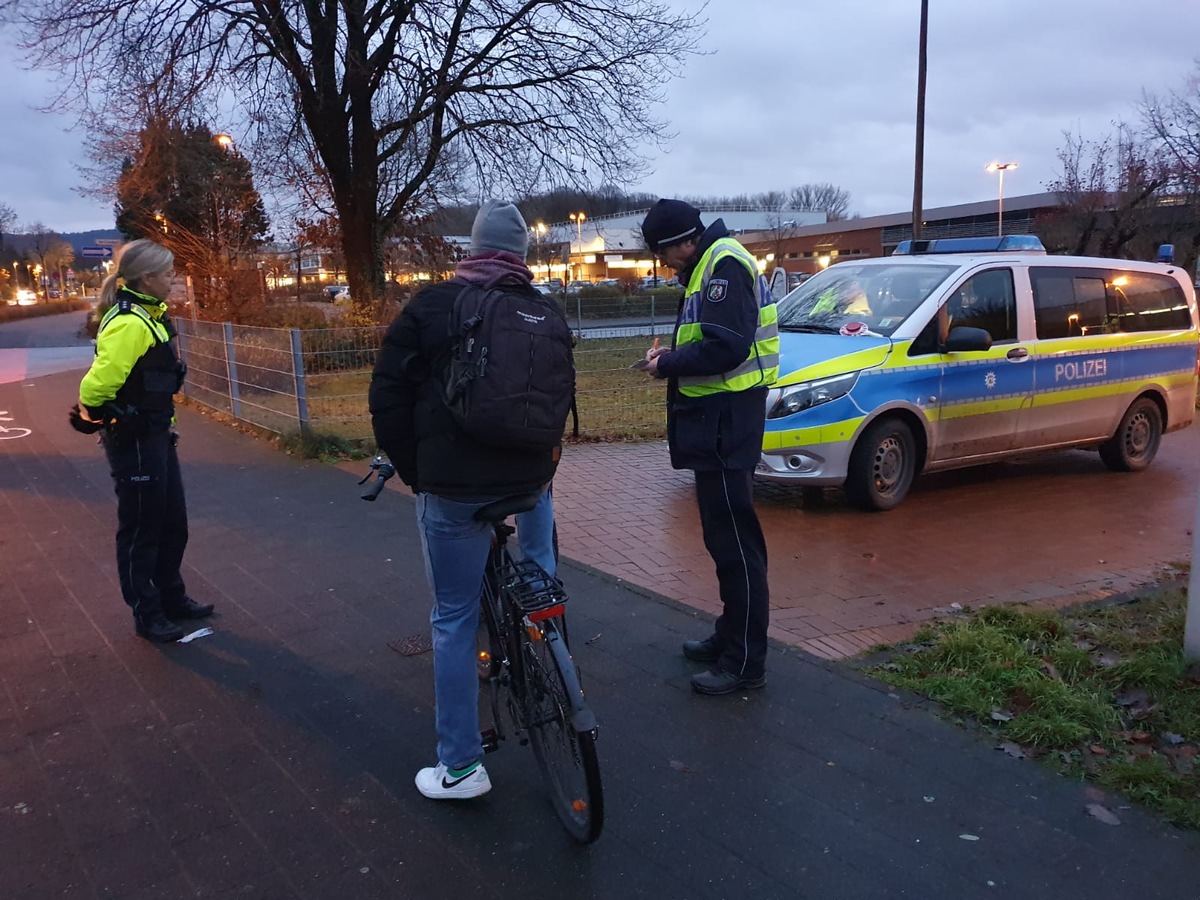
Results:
412 646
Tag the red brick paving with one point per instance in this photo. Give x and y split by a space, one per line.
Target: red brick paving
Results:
1049 527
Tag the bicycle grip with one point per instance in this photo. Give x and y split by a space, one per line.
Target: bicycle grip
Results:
376 487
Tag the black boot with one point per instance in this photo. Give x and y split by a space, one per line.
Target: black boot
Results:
189 609
157 628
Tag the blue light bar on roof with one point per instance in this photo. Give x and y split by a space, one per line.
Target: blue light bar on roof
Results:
1009 243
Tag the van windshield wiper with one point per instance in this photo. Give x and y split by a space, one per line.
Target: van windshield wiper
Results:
809 328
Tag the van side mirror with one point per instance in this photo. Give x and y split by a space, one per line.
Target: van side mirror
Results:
964 339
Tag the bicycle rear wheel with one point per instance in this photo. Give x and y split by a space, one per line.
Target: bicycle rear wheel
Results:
565 753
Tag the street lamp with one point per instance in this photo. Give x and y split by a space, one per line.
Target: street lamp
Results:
1001 168
578 218
224 141
539 231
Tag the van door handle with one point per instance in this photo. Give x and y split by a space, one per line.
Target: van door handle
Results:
1016 354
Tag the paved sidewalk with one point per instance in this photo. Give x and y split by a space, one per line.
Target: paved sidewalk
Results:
274 759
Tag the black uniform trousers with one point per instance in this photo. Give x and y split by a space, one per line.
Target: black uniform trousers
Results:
152 530
735 542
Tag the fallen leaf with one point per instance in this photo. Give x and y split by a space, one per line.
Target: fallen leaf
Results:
1103 814
595 637
928 799
1048 668
1106 660
969 837
679 766
1098 750
1013 750
1085 644
999 715
1094 794
1171 738
1187 752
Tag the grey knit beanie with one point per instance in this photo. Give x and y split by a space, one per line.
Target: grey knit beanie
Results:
499 226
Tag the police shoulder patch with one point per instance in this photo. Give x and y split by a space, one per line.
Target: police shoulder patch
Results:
717 289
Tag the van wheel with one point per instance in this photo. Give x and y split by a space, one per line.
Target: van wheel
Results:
882 466
1135 444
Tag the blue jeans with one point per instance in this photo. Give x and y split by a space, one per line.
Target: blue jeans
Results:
456 550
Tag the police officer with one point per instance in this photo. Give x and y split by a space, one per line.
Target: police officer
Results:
128 396
723 358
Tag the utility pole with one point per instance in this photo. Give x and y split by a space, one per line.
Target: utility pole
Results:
919 158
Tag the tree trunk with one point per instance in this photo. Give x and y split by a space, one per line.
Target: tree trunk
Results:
362 249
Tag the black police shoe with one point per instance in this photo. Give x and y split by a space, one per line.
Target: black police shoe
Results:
718 681
189 609
706 650
158 628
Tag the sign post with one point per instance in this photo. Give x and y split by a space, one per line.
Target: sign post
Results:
1191 628
97 252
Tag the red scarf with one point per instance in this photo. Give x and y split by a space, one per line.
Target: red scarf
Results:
494 266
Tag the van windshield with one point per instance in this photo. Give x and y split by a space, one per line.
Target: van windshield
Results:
879 297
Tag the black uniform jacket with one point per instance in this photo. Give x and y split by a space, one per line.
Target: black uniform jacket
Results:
723 430
414 427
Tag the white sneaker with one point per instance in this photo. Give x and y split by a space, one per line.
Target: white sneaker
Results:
436 783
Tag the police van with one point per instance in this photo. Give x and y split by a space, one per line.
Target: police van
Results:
952 353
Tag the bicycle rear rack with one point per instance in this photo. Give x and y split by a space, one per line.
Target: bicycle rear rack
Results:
531 588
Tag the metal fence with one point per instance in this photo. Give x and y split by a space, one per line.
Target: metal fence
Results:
291 380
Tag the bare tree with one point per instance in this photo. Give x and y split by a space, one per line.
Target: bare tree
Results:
394 104
7 218
826 198
59 256
1109 191
1173 123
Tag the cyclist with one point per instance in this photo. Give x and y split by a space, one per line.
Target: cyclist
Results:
452 476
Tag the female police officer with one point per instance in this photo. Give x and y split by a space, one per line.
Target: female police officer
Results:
127 394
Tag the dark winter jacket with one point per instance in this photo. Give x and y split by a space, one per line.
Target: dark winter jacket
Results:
722 430
414 427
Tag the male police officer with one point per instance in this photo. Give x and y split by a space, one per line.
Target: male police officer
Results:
724 356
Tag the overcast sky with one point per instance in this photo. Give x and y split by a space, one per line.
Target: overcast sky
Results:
794 92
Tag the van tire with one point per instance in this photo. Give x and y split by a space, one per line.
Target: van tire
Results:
1138 437
883 465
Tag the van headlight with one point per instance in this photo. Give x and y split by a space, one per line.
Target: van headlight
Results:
797 397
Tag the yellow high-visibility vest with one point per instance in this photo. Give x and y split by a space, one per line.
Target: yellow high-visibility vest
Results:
761 367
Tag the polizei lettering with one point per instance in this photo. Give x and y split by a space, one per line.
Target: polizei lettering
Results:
1080 370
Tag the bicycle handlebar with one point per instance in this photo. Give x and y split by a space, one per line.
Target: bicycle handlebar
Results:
383 470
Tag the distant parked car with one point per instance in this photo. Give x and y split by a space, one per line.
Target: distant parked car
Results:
335 292
26 297
653 281
576 286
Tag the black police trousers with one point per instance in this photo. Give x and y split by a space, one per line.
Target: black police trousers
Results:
152 530
734 539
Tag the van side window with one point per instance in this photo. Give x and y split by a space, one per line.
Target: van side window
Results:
1069 302
986 301
1146 301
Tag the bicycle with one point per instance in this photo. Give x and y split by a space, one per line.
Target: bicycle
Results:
528 666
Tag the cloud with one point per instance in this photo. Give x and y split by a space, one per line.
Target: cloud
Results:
790 92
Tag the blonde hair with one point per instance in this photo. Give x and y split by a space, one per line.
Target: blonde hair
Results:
135 261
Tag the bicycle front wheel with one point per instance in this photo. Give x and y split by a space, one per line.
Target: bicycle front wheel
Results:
565 753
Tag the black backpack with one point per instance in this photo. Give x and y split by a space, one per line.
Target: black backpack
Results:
510 381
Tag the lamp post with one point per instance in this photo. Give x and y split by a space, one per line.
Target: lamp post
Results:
1001 168
578 218
539 231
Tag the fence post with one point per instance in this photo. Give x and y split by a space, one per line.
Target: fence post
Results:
182 334
235 399
298 377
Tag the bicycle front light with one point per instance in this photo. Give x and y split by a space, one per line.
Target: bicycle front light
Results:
795 398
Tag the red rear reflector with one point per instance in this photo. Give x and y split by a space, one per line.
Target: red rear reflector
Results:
548 613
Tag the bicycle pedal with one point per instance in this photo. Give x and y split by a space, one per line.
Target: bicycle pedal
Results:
490 740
